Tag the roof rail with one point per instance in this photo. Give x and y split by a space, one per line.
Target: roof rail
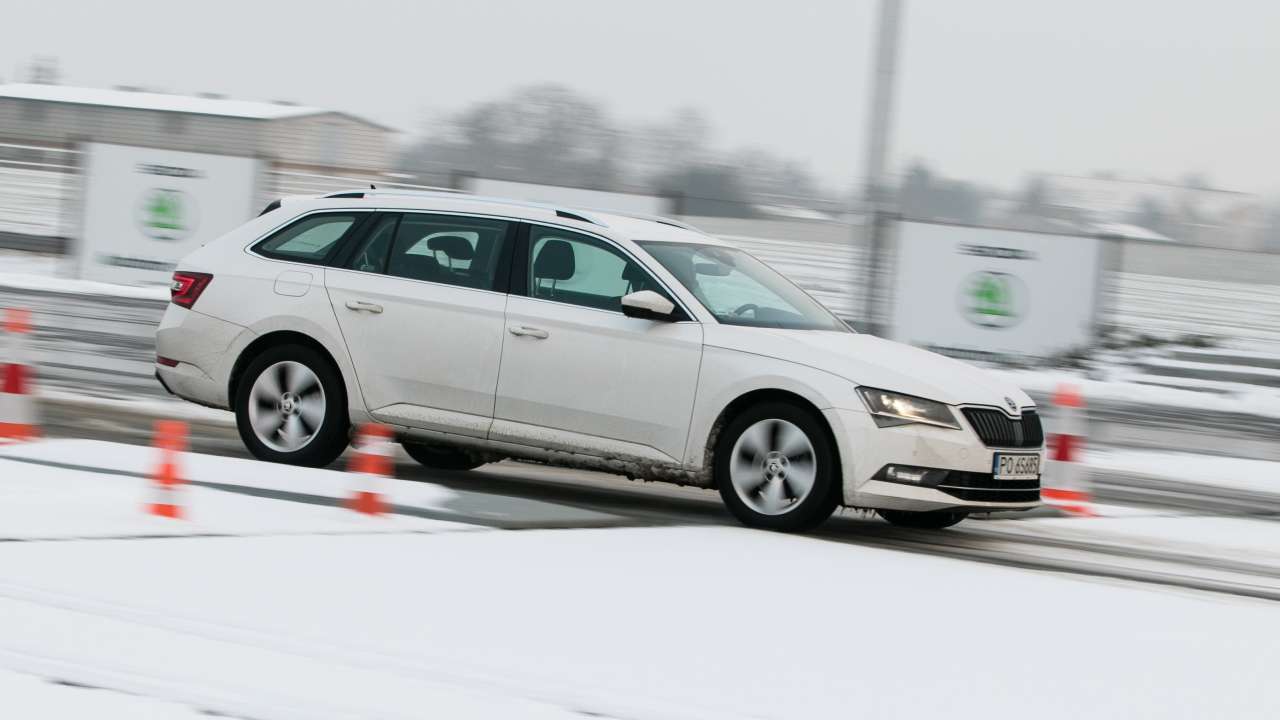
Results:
410 192
658 219
574 214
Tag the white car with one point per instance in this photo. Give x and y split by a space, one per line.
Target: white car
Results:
480 329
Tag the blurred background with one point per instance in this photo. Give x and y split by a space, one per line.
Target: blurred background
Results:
1075 191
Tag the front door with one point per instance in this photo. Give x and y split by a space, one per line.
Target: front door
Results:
579 376
421 306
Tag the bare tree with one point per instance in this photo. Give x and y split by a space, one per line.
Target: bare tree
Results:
544 133
551 134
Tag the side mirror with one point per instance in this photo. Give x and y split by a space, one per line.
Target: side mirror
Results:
647 305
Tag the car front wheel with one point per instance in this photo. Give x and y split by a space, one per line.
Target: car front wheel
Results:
776 469
291 407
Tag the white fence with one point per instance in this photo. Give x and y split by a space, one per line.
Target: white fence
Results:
38 186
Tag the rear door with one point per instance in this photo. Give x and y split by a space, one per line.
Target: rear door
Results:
421 304
578 375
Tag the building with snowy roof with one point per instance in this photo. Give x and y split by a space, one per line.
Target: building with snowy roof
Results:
284 134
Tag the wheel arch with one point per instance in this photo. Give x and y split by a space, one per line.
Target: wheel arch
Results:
750 399
273 339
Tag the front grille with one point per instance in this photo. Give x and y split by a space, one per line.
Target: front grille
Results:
981 487
999 430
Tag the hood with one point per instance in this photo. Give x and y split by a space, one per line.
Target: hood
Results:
874 362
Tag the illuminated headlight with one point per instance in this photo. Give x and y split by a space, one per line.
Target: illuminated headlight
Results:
890 409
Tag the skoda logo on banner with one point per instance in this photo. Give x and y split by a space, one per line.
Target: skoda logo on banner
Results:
165 214
993 299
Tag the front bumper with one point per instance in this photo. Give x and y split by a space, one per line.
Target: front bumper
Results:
866 450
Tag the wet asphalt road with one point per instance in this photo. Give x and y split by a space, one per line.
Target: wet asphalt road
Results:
99 346
648 504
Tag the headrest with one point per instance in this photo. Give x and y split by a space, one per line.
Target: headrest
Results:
632 273
555 261
455 246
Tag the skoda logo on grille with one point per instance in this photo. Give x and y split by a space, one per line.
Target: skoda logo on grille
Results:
1013 406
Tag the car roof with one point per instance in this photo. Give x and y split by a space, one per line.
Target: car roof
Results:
637 228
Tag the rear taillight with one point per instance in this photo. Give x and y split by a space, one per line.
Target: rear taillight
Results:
187 286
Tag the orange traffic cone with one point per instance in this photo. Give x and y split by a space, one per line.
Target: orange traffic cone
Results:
1066 484
372 463
17 404
166 481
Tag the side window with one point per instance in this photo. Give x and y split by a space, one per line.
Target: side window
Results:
446 249
571 268
309 240
372 255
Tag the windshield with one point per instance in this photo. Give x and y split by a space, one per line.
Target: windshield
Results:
739 289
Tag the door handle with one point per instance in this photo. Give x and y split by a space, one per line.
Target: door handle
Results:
362 306
526 331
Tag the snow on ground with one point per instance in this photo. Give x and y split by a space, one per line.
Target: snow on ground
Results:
35 698
168 407
1225 538
315 612
1263 402
624 623
1228 472
47 273
71 286
43 502
24 263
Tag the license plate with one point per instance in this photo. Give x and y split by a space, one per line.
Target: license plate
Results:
1015 466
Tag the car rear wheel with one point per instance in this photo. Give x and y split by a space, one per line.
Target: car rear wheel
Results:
776 469
291 407
440 457
932 520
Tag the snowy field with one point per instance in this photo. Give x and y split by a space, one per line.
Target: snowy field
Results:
83 342
262 607
636 623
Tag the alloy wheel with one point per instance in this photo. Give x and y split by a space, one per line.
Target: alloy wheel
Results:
773 466
286 406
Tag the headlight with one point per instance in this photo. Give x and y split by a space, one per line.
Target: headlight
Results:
889 409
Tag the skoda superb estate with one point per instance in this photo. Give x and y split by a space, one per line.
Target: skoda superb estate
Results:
481 329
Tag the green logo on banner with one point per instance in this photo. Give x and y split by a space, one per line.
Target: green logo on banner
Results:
165 214
993 299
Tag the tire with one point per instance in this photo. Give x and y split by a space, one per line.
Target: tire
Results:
440 457
298 401
932 520
764 459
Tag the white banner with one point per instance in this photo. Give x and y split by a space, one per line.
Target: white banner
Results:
998 294
145 208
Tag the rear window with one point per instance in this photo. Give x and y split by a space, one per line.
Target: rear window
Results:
309 240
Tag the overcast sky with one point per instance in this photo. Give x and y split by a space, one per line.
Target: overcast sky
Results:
988 90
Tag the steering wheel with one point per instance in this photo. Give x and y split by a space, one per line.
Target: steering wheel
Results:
749 307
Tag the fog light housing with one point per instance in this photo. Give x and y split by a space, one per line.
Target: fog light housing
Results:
912 475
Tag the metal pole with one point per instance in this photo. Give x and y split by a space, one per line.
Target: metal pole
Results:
877 195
